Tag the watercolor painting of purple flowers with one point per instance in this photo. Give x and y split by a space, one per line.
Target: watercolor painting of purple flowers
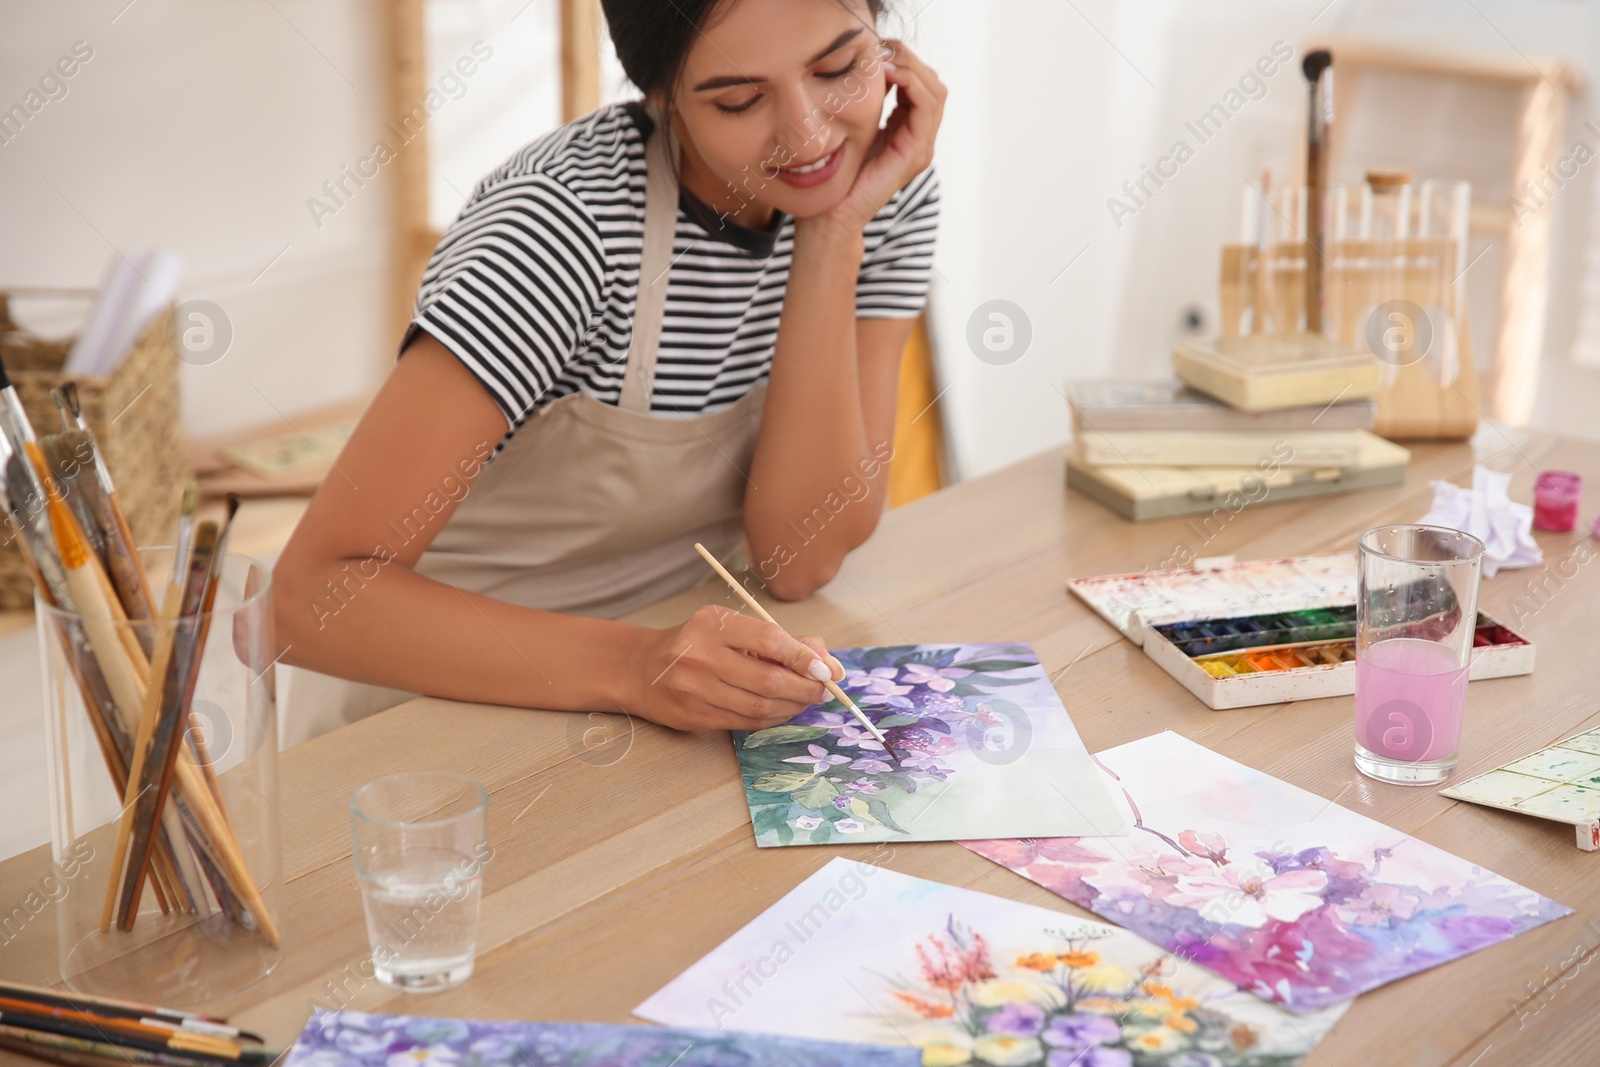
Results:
1290 896
359 1039
981 737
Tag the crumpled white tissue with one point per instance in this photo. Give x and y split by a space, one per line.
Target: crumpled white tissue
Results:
1486 512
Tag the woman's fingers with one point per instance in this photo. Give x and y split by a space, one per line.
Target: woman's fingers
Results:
749 710
723 670
903 58
923 110
771 643
767 681
820 647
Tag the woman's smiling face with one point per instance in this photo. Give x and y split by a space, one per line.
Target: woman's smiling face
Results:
778 104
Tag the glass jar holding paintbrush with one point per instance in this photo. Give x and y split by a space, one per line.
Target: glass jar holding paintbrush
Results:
164 796
160 726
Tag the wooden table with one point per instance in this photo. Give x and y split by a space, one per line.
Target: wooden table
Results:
616 866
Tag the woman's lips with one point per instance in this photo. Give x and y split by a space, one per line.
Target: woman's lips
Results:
814 173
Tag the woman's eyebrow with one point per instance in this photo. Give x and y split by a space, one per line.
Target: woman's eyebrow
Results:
723 81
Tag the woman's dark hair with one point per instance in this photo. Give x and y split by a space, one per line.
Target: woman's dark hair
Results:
653 37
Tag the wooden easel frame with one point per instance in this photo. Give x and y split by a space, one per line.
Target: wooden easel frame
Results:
1433 400
1542 88
414 237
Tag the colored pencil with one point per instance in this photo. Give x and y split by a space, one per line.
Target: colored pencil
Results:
832 686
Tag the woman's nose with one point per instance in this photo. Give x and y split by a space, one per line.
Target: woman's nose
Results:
806 122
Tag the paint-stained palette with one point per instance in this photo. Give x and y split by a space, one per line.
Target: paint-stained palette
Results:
1560 783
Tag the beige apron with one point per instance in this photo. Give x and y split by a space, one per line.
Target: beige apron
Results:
589 509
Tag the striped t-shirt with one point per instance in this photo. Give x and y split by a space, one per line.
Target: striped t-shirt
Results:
533 286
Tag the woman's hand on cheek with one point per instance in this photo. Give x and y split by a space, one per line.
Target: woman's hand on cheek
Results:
904 147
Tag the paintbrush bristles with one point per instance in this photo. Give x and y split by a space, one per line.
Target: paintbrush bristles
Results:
1315 63
65 458
118 552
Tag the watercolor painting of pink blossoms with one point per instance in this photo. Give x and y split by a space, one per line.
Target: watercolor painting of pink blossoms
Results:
1285 893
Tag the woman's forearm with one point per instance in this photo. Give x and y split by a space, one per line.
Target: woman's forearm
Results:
387 625
813 446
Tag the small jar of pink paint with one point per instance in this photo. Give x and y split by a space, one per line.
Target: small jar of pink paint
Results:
1555 501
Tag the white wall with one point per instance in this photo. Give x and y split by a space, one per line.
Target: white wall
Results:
1053 106
206 125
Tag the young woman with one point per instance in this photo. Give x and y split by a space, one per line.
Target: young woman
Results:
670 321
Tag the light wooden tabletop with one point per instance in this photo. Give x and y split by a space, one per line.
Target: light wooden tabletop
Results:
618 865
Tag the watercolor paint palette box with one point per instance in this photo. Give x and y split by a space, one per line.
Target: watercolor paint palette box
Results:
1242 634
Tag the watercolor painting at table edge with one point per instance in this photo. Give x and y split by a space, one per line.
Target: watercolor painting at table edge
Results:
1287 894
974 979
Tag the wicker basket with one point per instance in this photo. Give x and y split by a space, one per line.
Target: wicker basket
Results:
135 418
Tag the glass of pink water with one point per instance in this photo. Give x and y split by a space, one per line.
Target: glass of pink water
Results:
1416 610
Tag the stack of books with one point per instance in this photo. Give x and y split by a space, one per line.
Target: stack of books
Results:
1247 423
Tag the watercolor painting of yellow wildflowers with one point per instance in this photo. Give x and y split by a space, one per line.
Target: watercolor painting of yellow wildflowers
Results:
861 953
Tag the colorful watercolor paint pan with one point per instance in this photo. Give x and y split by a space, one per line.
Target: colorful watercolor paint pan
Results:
1242 634
1211 636
1294 655
1288 658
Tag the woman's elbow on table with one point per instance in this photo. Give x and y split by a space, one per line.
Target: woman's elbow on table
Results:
813 566
796 583
293 621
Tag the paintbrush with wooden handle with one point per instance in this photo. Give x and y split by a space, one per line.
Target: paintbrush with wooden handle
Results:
121 551
833 687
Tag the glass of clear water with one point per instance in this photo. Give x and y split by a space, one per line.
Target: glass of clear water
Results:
420 846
